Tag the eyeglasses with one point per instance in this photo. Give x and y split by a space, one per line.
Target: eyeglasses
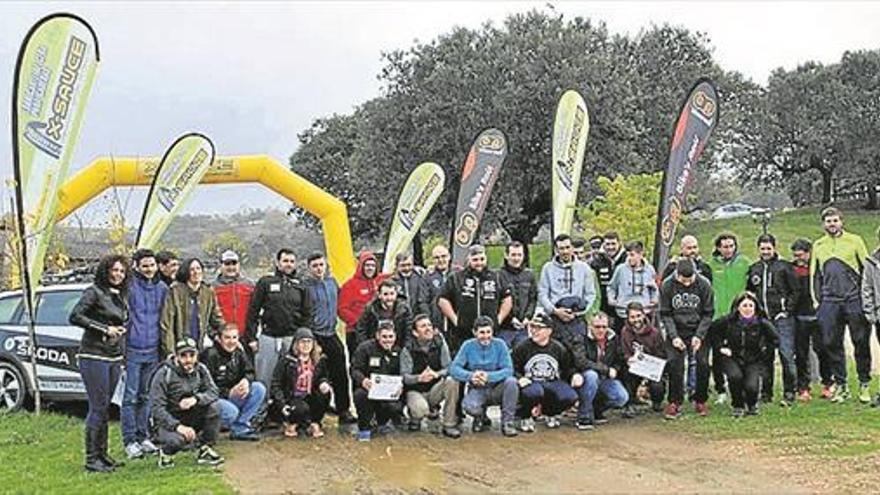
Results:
230 263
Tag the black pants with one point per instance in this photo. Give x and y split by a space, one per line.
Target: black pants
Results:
808 335
308 409
351 344
744 380
656 389
382 410
834 317
675 370
204 419
335 352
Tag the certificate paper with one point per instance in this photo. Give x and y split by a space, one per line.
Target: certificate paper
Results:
647 366
385 387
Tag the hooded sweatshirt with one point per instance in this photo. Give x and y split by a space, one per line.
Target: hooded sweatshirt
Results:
145 300
357 292
686 311
647 336
632 284
234 297
561 280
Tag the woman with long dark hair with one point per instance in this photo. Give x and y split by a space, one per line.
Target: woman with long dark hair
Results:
744 342
190 308
102 312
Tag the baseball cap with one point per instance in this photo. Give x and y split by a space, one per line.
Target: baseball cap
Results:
185 345
229 255
476 249
541 319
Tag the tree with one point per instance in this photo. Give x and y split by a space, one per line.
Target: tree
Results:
859 71
627 205
216 244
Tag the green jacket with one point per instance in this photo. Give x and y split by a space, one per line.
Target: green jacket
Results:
728 280
176 314
836 268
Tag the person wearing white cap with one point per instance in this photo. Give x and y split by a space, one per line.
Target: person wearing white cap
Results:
234 292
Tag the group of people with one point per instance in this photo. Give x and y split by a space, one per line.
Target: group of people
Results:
452 341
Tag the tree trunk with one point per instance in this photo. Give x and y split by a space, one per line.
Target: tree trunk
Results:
873 195
827 183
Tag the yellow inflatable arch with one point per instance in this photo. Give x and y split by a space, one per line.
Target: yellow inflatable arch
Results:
105 172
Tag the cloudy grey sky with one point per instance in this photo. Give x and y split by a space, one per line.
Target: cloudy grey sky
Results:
252 75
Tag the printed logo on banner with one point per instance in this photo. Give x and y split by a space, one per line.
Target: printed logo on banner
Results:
47 136
408 217
703 107
670 221
566 167
491 144
467 227
169 195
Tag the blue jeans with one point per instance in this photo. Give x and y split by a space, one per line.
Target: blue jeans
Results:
613 393
555 396
785 328
506 393
236 412
135 411
100 378
513 337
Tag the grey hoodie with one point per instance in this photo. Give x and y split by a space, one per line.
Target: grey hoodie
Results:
558 280
871 288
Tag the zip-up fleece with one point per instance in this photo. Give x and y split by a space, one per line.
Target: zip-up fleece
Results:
324 295
523 288
145 300
774 283
601 361
836 268
750 341
494 359
234 297
227 368
280 304
170 384
474 294
728 280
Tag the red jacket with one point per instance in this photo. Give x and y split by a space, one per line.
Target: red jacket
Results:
357 292
234 297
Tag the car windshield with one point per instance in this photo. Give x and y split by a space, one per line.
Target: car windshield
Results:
9 309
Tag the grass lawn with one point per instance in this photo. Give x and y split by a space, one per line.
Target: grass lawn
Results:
45 455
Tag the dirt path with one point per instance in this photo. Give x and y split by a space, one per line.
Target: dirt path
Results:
635 457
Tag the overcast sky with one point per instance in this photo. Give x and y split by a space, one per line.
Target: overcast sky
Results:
253 75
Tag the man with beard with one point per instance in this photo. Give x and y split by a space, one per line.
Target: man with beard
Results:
410 285
279 306
386 307
836 271
640 336
604 263
523 289
168 263
807 334
355 294
470 293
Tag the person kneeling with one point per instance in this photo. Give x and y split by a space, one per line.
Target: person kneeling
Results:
605 363
300 386
638 335
185 407
377 356
484 363
542 366
241 397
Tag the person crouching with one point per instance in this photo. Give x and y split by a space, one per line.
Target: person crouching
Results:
379 355
300 386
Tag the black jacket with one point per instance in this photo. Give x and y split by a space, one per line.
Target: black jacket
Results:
97 309
414 359
170 384
774 283
414 290
524 289
281 303
611 358
543 364
749 342
287 372
227 368
686 312
604 267
803 304
400 314
474 294
435 281
370 358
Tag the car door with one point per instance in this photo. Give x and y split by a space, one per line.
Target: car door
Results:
58 343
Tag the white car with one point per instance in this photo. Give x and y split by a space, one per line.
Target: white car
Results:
732 210
58 342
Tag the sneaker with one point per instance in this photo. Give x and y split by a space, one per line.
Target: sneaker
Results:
841 395
752 410
347 418
553 422
414 425
600 418
527 425
628 412
787 399
584 424
828 391
209 456
245 436
434 426
865 393
673 411
386 429
165 460
804 395
479 424
364 435
721 398
134 450
701 409
315 430
508 429
738 412
451 432
148 447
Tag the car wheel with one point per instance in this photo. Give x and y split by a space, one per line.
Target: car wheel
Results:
13 389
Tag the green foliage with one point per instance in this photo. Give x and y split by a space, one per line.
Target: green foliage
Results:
628 205
44 454
214 245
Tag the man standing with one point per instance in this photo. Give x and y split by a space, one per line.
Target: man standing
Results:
424 364
729 269
836 272
410 285
689 248
524 290
184 405
772 281
871 294
241 396
386 307
686 308
435 280
484 363
634 280
355 294
233 292
604 263
169 263
142 353
470 293
807 326
566 291
323 293
279 306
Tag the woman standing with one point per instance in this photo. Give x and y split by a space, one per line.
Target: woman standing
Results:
190 308
300 387
102 312
744 344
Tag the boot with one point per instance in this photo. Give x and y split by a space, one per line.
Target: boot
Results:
102 448
93 457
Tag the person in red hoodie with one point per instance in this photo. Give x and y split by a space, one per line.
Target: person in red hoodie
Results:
356 293
234 292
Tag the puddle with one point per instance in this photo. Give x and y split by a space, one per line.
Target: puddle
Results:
404 467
